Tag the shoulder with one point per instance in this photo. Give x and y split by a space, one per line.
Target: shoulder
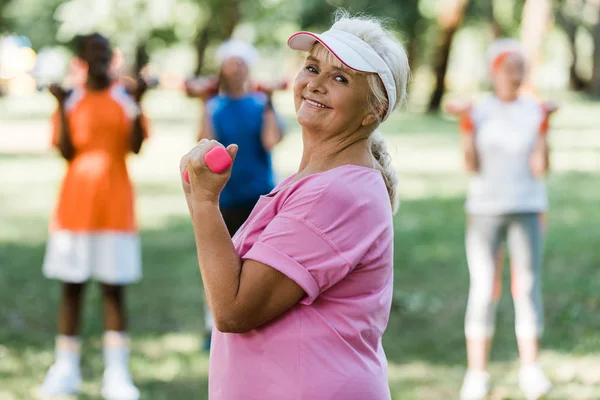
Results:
485 104
345 196
215 103
259 98
530 111
119 94
531 104
74 98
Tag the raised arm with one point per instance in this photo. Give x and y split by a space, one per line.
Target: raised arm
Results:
467 129
139 130
64 143
206 129
271 132
469 148
243 295
540 156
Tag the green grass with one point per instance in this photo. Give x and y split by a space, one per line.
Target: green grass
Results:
424 340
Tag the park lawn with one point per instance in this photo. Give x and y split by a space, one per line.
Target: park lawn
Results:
424 340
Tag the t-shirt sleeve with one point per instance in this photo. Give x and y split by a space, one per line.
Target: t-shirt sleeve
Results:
477 114
300 249
465 123
545 120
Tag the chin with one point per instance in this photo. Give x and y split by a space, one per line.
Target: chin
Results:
306 121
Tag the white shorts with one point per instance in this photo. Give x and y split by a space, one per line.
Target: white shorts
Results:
109 257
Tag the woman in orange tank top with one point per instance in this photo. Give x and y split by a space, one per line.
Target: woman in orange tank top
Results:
93 233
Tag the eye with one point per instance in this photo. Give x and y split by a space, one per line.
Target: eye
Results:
341 79
311 69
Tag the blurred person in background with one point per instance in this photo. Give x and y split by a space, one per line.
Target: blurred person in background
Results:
235 112
93 233
302 294
504 141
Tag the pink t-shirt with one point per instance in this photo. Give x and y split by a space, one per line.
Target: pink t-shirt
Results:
332 234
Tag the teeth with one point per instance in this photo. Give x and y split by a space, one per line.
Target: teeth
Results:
314 103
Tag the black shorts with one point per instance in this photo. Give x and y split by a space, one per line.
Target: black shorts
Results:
235 217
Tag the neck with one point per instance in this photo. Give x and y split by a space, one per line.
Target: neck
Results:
97 84
235 92
324 154
507 98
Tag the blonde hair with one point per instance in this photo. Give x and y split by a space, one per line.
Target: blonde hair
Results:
371 31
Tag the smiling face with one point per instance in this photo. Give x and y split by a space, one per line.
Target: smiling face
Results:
329 97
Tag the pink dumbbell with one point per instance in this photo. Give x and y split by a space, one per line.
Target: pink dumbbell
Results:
217 160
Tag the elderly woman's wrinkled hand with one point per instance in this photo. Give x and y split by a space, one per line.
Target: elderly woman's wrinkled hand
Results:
204 185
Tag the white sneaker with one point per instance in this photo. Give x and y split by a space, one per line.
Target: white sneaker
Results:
533 382
62 379
476 385
117 384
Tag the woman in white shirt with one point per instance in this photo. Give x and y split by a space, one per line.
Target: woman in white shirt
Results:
505 149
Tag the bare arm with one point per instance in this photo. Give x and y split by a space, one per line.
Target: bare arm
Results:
243 295
462 110
470 153
540 157
138 134
206 130
64 144
271 134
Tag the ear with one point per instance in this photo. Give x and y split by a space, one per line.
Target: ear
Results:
370 119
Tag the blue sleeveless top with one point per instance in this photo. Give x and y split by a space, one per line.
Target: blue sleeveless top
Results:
240 121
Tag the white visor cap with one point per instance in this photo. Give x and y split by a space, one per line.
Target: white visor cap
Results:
502 46
353 53
236 48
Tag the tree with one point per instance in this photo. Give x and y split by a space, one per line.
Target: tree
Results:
567 15
449 20
3 18
594 88
224 15
534 25
133 24
32 18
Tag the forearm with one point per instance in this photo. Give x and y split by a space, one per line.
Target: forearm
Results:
540 158
219 263
65 144
271 134
137 136
206 131
470 154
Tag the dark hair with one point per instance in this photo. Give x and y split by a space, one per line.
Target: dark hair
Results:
81 41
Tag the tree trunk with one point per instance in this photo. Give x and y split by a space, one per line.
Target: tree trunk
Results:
576 82
449 20
230 16
220 26
201 44
412 50
534 24
594 87
496 28
3 28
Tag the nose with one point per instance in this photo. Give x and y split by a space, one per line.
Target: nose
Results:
317 84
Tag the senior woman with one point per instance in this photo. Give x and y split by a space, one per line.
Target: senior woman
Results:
301 295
